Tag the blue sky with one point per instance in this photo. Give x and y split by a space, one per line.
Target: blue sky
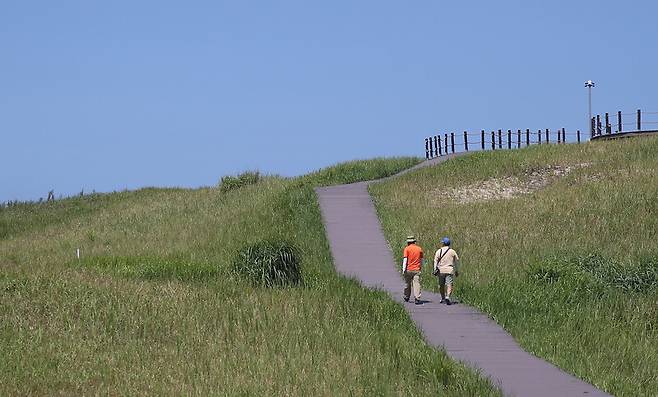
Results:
125 94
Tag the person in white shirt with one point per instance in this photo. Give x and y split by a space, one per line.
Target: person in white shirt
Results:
446 263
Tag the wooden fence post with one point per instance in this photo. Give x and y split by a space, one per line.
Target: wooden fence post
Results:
598 124
518 139
465 141
547 138
427 149
639 120
445 141
539 136
500 139
592 127
452 141
608 127
509 139
619 127
493 140
437 140
578 135
482 139
564 136
527 136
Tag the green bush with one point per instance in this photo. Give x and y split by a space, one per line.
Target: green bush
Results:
639 276
269 264
247 178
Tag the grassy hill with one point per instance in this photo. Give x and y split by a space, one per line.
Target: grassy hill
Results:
154 306
559 244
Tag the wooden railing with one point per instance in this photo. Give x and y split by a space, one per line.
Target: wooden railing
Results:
446 143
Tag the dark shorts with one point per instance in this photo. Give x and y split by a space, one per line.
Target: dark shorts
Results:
445 279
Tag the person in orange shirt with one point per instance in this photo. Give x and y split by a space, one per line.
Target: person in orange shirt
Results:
412 263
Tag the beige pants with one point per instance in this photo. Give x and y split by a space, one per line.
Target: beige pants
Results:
411 278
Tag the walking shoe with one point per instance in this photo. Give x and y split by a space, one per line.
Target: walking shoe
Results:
442 300
406 298
418 302
448 302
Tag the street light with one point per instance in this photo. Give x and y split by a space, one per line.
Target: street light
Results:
589 84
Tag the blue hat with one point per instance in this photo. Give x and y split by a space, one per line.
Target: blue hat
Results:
446 241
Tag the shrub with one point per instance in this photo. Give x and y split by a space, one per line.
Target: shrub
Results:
269 264
631 277
229 183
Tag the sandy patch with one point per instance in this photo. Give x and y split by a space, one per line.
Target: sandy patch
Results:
509 187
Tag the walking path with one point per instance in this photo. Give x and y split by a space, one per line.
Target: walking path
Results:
354 231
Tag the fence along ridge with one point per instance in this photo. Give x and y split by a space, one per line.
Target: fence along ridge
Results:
446 143
597 127
442 144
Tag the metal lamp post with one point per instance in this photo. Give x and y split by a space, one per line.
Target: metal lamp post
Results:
589 84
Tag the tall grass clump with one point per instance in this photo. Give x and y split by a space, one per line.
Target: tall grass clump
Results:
638 276
599 272
229 182
269 264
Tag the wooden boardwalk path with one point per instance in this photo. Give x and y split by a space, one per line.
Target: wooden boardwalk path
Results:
360 251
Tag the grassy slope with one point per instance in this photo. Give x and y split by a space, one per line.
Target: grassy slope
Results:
550 266
167 316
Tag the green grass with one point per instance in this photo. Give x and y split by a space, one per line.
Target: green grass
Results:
270 264
569 269
154 306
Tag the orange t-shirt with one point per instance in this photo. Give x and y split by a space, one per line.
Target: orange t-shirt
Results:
414 255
